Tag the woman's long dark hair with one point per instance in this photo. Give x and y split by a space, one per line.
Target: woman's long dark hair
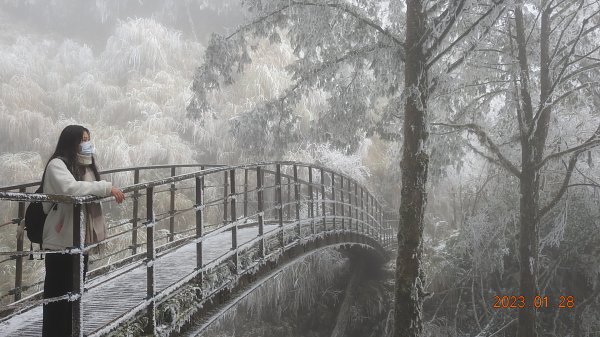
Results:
68 147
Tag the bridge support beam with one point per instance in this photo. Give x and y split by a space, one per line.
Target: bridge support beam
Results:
150 259
260 211
279 205
76 313
234 229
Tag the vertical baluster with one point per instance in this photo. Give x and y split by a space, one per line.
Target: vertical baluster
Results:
172 208
356 205
311 202
19 260
369 213
77 258
288 206
349 192
260 195
373 218
323 199
362 210
225 194
234 229
333 210
134 221
297 199
342 206
199 220
150 259
245 193
279 204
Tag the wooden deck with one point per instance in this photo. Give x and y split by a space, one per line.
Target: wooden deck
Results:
105 302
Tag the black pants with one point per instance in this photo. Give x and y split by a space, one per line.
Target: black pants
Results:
58 282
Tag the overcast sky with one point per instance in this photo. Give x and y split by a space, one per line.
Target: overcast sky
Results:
91 22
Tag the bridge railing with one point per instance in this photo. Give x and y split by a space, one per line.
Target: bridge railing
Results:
288 200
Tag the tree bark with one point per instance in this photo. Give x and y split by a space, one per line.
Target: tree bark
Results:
409 294
532 152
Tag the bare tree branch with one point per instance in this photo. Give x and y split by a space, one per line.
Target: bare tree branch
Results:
354 11
592 142
461 37
563 188
487 142
450 16
581 70
351 10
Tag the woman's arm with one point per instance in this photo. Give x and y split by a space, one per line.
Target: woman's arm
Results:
62 182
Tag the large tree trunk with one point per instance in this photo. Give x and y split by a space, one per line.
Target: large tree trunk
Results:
528 247
532 151
409 274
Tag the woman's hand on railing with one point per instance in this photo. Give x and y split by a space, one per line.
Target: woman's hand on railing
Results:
119 196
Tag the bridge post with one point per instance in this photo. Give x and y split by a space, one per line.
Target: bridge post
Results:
19 260
150 259
356 205
199 221
134 221
260 208
172 208
362 210
349 190
343 207
288 206
323 199
297 199
279 204
77 258
333 199
371 215
245 193
234 241
312 203
225 195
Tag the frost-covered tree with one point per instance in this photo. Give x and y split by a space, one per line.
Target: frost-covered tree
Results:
540 84
373 61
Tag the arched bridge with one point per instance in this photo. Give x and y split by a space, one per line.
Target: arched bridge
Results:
186 237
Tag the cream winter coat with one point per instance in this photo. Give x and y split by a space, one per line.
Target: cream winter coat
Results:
58 228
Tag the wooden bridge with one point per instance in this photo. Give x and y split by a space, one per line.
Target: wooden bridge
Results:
208 230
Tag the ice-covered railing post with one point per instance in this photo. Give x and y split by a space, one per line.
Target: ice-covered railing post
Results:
150 259
333 200
199 222
371 216
260 211
225 194
288 205
134 221
342 205
19 259
323 199
355 206
245 192
172 208
77 258
234 229
312 202
297 200
279 205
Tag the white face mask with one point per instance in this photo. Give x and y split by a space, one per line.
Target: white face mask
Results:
86 148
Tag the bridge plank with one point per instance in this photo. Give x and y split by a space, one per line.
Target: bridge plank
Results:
110 300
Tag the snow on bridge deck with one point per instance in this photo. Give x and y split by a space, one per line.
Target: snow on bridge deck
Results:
107 301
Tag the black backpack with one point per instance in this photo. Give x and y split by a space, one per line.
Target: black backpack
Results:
35 216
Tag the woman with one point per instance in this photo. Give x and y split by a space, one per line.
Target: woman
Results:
66 173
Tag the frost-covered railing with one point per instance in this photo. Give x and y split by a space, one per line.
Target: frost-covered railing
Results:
306 200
